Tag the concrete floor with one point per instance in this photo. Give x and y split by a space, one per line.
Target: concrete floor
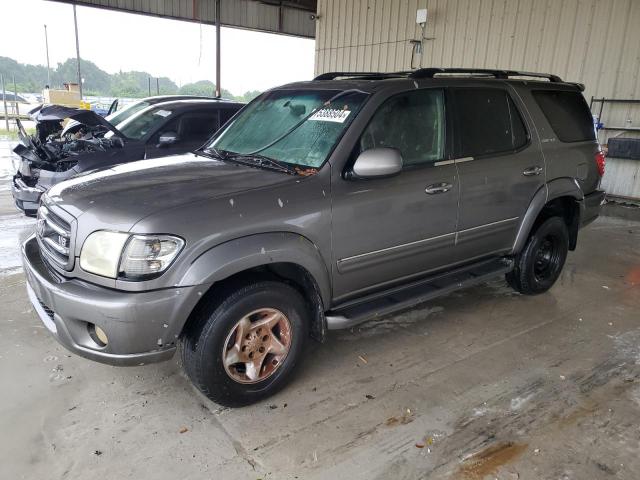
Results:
482 383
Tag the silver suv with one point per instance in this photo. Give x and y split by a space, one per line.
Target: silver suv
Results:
318 206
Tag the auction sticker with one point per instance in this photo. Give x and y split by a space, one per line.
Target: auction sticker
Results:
330 115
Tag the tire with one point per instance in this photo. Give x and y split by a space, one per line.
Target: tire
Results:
217 333
540 263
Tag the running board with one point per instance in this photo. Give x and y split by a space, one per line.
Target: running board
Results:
415 293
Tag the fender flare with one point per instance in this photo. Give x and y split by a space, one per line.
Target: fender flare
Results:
240 254
559 187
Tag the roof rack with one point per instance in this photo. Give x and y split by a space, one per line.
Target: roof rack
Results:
363 75
432 72
504 74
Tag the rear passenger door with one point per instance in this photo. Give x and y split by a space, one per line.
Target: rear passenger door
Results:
500 169
388 229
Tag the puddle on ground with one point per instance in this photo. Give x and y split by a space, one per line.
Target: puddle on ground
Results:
14 226
7 163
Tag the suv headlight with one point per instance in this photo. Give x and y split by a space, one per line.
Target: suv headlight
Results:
131 257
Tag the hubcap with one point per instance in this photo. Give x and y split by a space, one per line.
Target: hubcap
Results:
257 345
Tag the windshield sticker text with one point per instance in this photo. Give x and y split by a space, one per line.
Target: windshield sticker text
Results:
162 113
330 115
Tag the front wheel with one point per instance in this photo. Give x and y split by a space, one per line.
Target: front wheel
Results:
245 348
539 264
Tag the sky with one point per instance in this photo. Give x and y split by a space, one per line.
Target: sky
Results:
182 51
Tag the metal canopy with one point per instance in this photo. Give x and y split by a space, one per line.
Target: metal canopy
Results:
291 17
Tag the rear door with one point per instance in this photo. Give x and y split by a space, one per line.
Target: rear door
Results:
500 168
388 229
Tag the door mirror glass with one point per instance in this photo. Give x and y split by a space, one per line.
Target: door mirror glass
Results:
167 138
378 162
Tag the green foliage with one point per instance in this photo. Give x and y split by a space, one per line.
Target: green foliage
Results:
205 88
97 82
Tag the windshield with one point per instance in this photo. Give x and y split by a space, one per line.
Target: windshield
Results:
142 124
293 126
120 116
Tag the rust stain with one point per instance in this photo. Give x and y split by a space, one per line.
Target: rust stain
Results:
406 417
633 276
488 461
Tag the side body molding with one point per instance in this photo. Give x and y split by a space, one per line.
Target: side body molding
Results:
559 187
243 253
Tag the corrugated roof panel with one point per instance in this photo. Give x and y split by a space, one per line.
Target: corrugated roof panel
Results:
289 17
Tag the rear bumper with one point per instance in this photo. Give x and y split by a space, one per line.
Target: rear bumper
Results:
591 207
26 197
142 327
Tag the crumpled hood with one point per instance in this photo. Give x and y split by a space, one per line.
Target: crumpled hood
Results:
126 193
60 112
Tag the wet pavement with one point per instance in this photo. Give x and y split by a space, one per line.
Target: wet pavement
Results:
484 383
13 225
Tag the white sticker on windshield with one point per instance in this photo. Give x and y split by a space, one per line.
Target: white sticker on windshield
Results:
162 113
330 115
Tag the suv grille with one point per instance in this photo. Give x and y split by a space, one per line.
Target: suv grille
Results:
54 236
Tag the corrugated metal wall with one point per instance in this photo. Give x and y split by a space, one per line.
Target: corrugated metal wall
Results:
292 18
596 42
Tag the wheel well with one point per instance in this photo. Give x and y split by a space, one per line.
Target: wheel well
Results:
568 209
292 274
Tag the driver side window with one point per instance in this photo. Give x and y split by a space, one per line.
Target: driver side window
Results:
412 122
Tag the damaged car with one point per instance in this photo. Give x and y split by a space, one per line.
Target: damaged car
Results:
71 141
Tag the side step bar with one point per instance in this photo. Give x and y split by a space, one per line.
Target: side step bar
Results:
415 293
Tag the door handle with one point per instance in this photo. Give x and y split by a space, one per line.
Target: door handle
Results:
438 188
531 171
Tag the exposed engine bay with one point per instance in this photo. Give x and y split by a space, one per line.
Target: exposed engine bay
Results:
56 148
67 142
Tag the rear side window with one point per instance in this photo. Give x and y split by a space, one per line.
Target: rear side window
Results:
413 122
488 122
567 113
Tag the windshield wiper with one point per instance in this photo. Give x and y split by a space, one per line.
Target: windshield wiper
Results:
261 161
214 153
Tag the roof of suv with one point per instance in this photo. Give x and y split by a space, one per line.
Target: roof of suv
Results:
374 81
167 98
186 104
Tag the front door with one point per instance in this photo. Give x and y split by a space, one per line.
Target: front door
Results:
392 228
191 130
500 169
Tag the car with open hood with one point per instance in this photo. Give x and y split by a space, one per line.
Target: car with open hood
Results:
86 142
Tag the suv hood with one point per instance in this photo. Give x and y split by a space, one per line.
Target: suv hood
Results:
123 194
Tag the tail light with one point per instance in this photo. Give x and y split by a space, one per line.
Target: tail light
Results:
600 162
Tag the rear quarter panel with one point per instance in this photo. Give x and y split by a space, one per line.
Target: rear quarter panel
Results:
569 160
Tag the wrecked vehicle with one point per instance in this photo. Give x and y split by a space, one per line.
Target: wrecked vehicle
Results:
89 142
319 206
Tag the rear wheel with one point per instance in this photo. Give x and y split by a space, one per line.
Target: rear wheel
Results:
245 348
540 263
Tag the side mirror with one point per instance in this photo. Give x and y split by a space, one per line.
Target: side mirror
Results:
167 138
378 162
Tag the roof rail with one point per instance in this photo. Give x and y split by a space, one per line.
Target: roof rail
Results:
432 72
504 74
365 75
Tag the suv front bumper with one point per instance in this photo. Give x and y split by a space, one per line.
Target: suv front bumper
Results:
142 327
